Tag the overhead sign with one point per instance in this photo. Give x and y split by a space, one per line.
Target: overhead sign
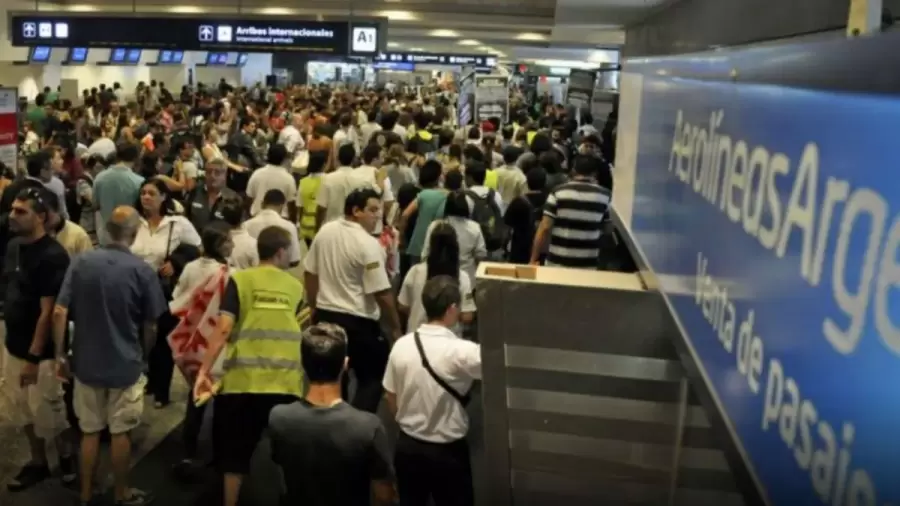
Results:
439 59
466 97
491 98
332 37
771 217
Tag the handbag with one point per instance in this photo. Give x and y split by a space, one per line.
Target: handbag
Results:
462 398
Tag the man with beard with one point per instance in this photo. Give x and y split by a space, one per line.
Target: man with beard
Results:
35 266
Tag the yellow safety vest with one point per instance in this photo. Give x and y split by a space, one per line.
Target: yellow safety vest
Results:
490 179
264 348
309 189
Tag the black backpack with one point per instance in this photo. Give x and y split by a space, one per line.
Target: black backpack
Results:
487 214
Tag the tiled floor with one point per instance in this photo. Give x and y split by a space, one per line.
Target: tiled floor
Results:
158 423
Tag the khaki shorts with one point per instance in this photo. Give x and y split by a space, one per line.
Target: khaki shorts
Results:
41 405
120 409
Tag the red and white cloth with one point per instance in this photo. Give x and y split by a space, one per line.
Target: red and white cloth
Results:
390 241
198 312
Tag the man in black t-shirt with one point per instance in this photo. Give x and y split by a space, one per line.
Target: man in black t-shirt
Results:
329 453
35 266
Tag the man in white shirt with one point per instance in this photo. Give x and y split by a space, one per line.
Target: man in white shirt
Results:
102 145
346 134
273 176
245 253
368 175
271 215
427 382
511 181
347 284
335 187
292 139
369 127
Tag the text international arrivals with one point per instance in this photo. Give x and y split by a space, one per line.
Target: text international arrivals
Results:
271 31
746 183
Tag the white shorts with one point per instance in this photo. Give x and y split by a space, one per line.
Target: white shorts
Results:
41 405
120 409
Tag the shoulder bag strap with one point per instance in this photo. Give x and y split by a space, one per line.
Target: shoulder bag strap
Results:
463 399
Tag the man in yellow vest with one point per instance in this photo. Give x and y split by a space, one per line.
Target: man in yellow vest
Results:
257 318
306 195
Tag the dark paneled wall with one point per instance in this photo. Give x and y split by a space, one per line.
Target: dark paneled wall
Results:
695 25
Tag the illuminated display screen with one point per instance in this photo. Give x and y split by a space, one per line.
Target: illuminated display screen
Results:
40 54
335 37
117 55
78 54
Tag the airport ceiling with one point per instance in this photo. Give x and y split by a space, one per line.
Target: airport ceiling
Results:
513 29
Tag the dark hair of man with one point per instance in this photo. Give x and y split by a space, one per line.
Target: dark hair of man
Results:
443 251
474 133
541 143
51 200
346 154
213 236
507 133
371 115
511 154
359 199
438 295
587 165
455 151
536 179
549 161
476 172
38 162
456 204
453 180
276 155
323 351
270 241
232 211
371 153
445 137
38 199
274 198
473 152
345 120
430 174
317 161
127 152
247 121
389 120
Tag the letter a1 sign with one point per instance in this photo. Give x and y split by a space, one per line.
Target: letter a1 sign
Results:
365 40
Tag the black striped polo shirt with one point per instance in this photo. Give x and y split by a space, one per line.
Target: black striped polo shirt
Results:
578 209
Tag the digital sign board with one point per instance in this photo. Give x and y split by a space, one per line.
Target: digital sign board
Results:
211 34
439 59
77 55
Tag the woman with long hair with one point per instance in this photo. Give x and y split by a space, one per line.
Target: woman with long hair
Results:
195 302
167 242
472 248
442 259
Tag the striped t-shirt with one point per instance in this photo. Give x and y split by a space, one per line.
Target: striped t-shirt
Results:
578 209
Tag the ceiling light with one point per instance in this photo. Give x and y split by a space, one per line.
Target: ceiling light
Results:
469 42
416 49
393 44
82 8
276 11
398 15
185 9
486 49
443 33
530 36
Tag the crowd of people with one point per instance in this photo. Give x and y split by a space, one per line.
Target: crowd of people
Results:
266 243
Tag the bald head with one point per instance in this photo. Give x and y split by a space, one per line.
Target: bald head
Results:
123 224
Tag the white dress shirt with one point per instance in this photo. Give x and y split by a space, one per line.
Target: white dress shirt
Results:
244 255
350 265
266 218
333 192
154 246
411 295
270 177
472 247
425 410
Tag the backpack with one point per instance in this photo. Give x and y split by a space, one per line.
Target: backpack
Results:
486 213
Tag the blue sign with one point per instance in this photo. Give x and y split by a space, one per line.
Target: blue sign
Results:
394 65
771 216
